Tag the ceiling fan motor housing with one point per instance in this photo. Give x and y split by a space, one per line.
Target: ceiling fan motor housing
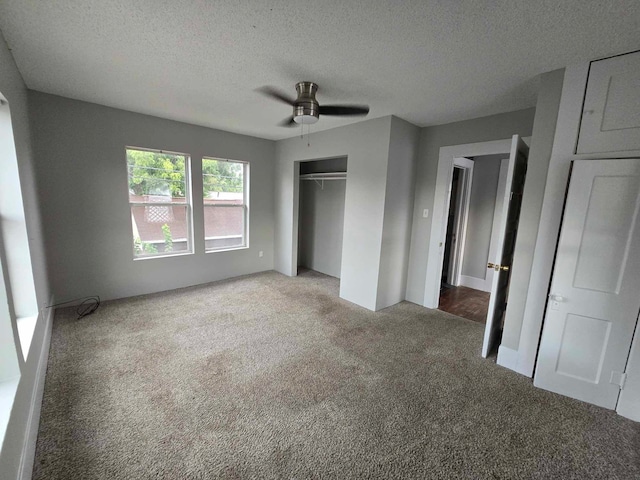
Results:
306 109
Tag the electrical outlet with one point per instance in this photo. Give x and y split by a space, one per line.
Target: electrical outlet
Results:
425 213
261 253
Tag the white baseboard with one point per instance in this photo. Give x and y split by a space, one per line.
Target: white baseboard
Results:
25 471
630 410
475 283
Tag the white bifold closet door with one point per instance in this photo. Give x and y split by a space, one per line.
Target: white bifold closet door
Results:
595 290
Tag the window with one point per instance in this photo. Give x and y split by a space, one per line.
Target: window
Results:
18 303
160 200
224 188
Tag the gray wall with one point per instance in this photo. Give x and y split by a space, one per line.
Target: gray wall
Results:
366 145
544 129
484 186
396 233
495 127
81 168
321 225
13 88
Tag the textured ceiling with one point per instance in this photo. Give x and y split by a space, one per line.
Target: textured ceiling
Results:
429 62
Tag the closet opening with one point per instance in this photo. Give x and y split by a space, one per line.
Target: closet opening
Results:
322 192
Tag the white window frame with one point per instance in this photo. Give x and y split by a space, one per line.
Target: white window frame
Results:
245 206
188 203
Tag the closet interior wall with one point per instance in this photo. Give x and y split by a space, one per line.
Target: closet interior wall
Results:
321 221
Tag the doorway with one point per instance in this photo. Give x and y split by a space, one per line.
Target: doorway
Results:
496 253
474 212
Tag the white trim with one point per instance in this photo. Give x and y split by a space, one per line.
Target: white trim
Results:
629 401
163 255
25 469
510 359
461 217
219 237
227 249
564 143
475 283
441 207
507 358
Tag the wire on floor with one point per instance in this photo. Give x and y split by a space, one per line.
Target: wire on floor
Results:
86 307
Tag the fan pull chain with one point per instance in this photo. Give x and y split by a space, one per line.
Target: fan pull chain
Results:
308 132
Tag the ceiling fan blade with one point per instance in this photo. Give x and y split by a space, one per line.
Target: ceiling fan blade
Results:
287 122
344 109
276 94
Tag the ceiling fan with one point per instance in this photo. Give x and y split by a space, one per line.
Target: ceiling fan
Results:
306 109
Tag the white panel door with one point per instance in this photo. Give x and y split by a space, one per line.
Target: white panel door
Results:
506 241
595 290
611 113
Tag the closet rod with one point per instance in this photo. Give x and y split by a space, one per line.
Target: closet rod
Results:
324 176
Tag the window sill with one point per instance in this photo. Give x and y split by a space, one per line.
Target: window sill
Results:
8 390
26 327
153 257
230 249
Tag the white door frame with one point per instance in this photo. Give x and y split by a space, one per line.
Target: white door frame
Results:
461 217
441 208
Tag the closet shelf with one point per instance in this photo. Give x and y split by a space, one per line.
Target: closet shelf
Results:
324 176
319 178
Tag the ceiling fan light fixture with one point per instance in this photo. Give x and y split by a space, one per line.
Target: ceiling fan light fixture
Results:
306 110
305 119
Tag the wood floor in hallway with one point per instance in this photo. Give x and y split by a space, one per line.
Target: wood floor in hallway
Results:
465 302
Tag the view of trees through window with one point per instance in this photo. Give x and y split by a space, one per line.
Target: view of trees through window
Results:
221 176
158 173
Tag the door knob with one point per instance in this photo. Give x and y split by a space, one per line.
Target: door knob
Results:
504 268
556 298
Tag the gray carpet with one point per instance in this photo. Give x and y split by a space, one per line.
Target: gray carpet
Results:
267 376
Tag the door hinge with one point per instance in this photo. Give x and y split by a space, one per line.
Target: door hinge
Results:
618 378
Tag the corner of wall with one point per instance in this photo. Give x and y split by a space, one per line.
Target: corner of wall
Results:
398 212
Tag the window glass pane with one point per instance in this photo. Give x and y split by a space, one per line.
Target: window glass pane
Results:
160 229
224 226
224 200
156 177
158 193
